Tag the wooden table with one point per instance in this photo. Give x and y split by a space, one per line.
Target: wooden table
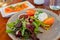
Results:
3 21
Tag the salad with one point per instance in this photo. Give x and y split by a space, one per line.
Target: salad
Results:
28 24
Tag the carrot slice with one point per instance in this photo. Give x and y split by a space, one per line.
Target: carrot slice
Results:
49 21
20 7
24 6
8 10
30 12
17 9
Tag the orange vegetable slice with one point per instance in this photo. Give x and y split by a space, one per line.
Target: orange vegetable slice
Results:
24 6
17 9
49 21
20 7
8 10
30 12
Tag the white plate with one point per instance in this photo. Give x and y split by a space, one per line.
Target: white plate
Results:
9 14
47 35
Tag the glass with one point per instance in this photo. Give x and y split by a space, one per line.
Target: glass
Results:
4 2
38 2
54 4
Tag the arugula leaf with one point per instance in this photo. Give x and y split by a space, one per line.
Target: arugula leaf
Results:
23 27
36 27
11 25
9 31
17 21
37 24
26 35
39 11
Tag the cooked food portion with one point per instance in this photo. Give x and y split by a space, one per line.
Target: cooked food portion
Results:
41 15
8 10
30 12
16 8
28 24
49 21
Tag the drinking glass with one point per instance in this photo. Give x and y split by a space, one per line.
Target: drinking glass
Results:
38 2
54 4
